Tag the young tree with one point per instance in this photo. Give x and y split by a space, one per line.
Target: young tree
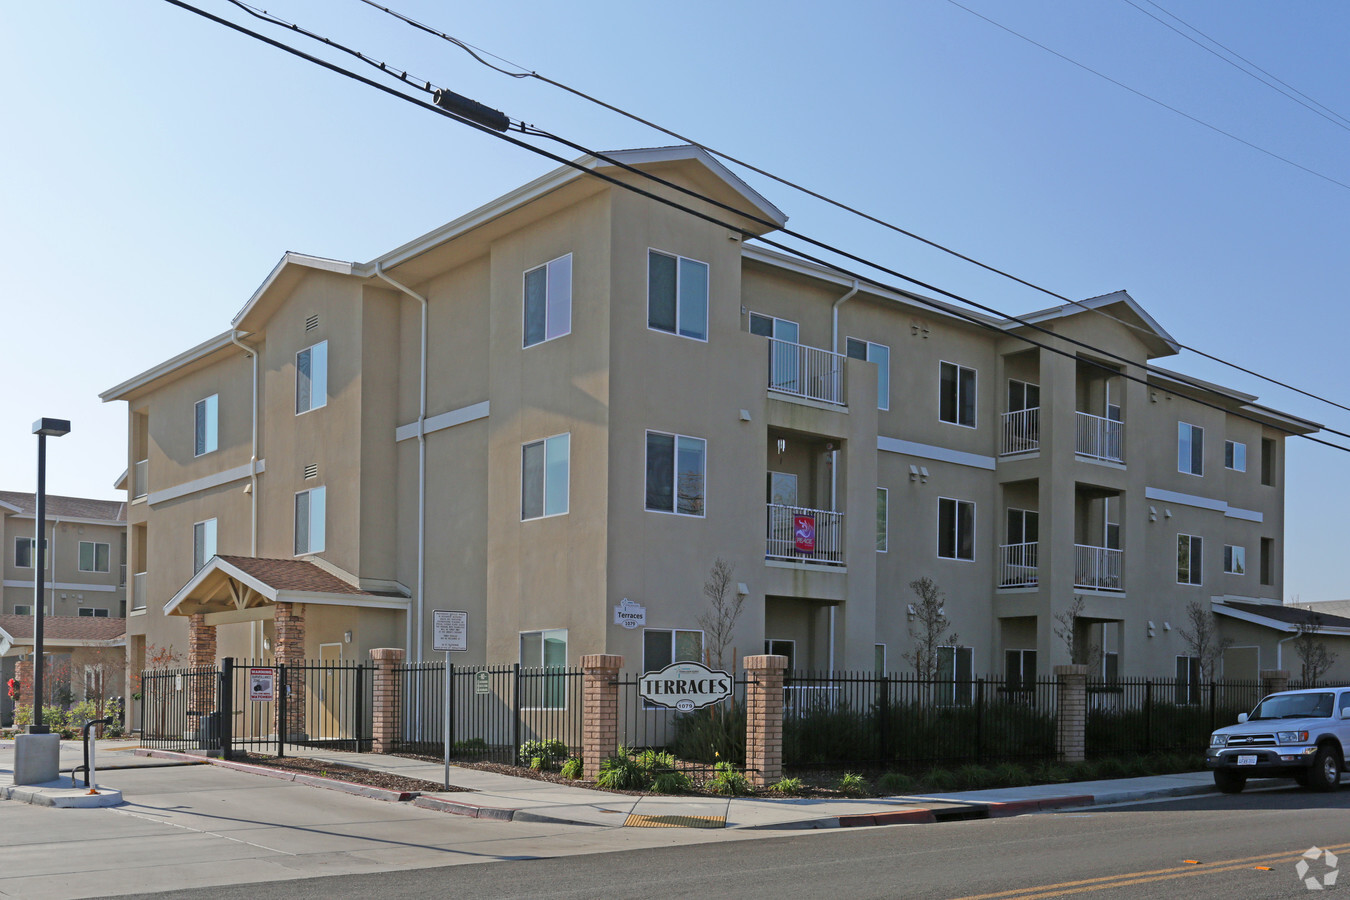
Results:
102 675
724 609
1072 630
929 628
1312 652
1202 638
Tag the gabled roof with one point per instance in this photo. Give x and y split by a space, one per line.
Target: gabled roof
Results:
1150 332
237 583
1282 618
112 511
63 630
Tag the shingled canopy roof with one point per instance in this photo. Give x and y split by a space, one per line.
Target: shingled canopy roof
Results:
66 507
62 632
239 583
1283 618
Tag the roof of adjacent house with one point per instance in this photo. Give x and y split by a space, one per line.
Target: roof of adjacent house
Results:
1283 618
292 575
113 511
58 629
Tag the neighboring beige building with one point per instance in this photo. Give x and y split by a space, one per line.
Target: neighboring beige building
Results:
576 396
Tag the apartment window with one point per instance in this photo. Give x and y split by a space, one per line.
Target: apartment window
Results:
1188 680
23 552
879 658
774 327
677 295
1267 461
203 543
675 473
1235 456
545 652
22 610
955 675
1024 526
1019 667
1023 396
956 394
956 529
1267 561
1190 449
548 301
882 513
663 646
95 556
310 520
544 477
874 353
206 427
1188 559
1235 560
93 613
783 648
311 378
1111 667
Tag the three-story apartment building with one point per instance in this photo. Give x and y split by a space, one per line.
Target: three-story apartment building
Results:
577 398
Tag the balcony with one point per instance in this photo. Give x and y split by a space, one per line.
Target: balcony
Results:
1097 567
1021 431
138 591
802 534
1017 565
1098 437
140 479
807 372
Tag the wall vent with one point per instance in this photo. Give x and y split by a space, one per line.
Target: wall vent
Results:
312 322
311 471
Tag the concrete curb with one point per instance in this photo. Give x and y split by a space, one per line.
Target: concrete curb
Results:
331 784
455 808
60 798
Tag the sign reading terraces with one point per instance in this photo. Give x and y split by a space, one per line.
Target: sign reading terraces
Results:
685 686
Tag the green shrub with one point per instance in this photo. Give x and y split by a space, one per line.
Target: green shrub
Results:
971 777
728 780
895 783
1111 767
573 768
54 717
671 782
1010 775
711 734
787 786
623 773
939 781
544 755
853 784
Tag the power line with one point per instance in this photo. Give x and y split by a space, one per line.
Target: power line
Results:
749 234
476 51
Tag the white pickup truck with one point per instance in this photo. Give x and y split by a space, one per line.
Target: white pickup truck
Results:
1293 734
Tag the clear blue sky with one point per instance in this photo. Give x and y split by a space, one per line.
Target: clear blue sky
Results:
154 167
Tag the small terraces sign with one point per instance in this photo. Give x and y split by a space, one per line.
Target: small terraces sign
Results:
685 686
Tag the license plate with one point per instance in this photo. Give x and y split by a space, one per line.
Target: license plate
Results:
1247 760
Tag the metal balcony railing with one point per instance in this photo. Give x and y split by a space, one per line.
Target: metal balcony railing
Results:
138 591
1097 567
1021 431
140 479
801 534
1100 438
1017 565
807 372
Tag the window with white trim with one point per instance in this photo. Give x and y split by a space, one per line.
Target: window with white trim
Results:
203 543
206 429
955 672
1235 456
95 556
311 378
883 514
548 301
1188 680
677 295
879 658
310 520
780 647
1190 449
93 612
545 652
21 609
1019 670
675 468
956 529
1234 559
957 394
23 552
544 476
1189 548
879 354
663 646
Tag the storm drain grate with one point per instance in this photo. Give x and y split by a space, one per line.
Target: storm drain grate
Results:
638 821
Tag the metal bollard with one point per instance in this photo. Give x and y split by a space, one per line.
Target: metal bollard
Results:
91 779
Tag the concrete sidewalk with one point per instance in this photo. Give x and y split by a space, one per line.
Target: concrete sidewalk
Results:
68 792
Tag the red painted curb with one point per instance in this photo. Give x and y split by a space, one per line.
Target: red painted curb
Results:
1012 808
1077 800
900 817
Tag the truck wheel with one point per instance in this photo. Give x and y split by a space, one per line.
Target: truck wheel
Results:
1325 774
1229 782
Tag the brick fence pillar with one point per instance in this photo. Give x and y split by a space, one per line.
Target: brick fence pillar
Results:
289 649
23 674
1274 680
600 710
1071 713
202 656
386 704
764 718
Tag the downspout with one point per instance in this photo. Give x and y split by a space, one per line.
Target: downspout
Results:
834 348
255 631
415 622
1279 650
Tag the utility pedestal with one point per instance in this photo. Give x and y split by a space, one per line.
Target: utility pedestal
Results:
37 758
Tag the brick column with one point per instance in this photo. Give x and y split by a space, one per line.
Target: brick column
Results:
23 673
386 703
1071 713
764 718
289 649
600 710
202 655
1274 680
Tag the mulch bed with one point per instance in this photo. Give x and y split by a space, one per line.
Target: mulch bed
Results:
340 772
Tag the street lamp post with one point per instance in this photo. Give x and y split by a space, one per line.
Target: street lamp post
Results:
43 428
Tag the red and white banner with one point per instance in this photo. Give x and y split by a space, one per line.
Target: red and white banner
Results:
804 533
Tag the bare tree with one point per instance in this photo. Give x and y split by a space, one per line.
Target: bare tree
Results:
929 628
1312 651
1202 638
724 609
1071 628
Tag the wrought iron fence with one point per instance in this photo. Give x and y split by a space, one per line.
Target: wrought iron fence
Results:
1162 715
493 710
179 709
697 740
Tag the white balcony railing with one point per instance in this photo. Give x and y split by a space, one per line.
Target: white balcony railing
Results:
138 591
807 372
1021 431
1017 565
1097 567
1100 437
140 479
805 535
